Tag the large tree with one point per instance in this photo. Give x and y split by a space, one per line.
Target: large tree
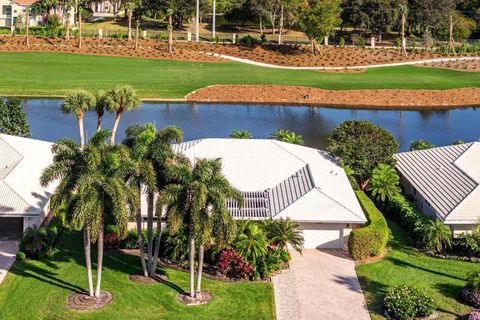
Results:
361 145
13 119
318 19
78 102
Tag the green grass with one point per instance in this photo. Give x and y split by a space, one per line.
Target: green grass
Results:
39 290
46 74
443 279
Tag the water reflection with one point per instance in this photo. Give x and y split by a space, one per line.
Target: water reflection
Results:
218 120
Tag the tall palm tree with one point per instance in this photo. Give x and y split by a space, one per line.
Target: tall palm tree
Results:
197 196
384 183
437 235
284 232
79 102
241 134
119 100
130 6
287 136
170 30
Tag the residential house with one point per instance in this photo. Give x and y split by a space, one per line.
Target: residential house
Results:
444 182
23 201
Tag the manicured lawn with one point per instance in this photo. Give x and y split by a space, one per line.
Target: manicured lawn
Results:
39 290
443 279
45 74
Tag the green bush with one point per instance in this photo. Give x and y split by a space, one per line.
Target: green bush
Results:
20 256
404 212
372 239
248 41
467 244
404 302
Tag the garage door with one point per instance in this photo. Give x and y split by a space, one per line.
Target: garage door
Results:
11 228
322 236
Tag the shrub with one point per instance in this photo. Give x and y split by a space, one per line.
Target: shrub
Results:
112 241
372 239
342 42
405 302
474 315
20 256
232 264
467 244
420 145
408 216
249 41
130 241
471 296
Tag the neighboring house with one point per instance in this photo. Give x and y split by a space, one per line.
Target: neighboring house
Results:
13 11
444 183
280 180
23 201
104 8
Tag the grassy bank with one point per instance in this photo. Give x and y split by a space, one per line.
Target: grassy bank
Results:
39 290
47 74
442 279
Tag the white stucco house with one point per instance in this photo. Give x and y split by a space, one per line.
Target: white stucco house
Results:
23 201
444 182
280 180
13 11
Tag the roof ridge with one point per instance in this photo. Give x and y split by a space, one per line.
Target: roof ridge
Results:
277 143
334 200
13 164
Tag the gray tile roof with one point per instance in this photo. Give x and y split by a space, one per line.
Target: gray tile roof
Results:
436 177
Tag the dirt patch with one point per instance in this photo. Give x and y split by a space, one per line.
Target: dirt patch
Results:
459 65
281 55
372 259
137 278
83 302
202 298
362 99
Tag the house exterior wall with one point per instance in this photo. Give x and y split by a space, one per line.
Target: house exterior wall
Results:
326 235
458 229
421 203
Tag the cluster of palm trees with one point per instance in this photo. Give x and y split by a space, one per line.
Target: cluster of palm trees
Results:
280 134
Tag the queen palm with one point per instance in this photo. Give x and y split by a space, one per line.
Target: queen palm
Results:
92 184
437 235
79 102
241 134
196 196
284 232
384 183
119 100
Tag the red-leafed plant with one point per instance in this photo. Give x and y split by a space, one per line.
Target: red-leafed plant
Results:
233 265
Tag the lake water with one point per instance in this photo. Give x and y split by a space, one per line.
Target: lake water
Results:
47 122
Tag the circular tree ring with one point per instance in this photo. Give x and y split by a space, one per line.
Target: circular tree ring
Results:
201 298
141 279
82 301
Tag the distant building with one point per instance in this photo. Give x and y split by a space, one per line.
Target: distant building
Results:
280 180
14 11
444 183
23 201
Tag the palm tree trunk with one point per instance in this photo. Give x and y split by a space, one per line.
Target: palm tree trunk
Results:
99 122
280 32
150 231
191 241
27 24
156 251
114 128
88 258
79 29
129 24
170 34
136 33
99 257
140 242
81 130
261 24
201 252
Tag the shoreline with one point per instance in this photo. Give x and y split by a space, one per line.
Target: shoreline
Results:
363 99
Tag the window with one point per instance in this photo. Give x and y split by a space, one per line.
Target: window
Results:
6 10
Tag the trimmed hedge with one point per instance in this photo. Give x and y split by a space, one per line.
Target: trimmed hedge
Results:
370 240
404 212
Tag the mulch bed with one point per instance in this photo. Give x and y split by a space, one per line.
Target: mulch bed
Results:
137 278
83 302
361 99
185 298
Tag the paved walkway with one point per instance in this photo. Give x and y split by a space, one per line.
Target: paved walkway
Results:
320 285
406 63
8 250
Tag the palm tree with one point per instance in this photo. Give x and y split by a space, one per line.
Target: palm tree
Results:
78 102
119 100
170 30
100 106
241 134
197 196
384 184
251 241
287 136
129 6
284 232
437 235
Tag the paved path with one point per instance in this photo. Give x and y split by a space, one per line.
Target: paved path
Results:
319 286
8 250
406 63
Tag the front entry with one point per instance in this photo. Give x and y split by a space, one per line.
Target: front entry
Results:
11 228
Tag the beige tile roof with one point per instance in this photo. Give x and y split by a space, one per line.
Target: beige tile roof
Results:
448 178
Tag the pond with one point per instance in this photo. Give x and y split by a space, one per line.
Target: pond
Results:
47 122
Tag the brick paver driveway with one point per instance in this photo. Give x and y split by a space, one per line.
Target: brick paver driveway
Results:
319 285
8 250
